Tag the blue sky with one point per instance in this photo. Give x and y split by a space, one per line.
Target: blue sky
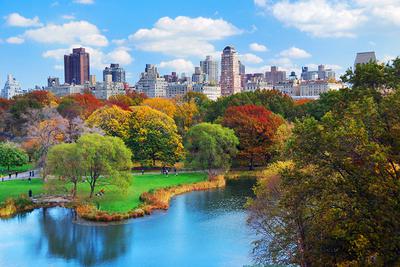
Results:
177 34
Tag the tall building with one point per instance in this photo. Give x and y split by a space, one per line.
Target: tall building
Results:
321 74
92 79
198 76
150 83
11 88
275 76
53 81
230 75
364 58
117 73
210 68
77 66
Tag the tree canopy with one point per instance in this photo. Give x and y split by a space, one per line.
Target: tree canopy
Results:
211 147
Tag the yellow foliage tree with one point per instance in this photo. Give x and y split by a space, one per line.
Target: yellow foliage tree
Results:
113 120
161 104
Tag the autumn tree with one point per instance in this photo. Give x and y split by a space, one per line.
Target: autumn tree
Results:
66 161
256 128
11 155
88 102
211 147
122 101
186 115
136 97
46 129
153 136
113 120
105 156
164 105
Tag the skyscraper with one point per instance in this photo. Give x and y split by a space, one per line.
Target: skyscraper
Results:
117 73
364 57
11 88
210 68
150 83
275 76
230 76
77 66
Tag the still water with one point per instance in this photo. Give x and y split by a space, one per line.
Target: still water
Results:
200 229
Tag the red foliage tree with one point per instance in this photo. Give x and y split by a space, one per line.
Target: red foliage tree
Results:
4 104
256 127
122 101
88 102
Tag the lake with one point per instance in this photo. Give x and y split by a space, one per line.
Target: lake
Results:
204 228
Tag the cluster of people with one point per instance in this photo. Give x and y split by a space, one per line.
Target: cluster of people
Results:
166 170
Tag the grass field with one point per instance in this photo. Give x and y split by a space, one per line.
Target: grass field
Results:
14 188
113 200
23 168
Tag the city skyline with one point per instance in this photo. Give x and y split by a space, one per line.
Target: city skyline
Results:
256 29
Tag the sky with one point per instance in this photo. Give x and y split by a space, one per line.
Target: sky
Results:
176 34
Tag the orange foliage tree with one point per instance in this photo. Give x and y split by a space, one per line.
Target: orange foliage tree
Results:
166 106
256 127
88 102
122 101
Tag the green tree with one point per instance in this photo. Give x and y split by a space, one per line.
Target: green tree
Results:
105 156
11 155
65 161
210 146
153 136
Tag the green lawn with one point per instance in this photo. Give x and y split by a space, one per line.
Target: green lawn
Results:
13 169
15 188
113 200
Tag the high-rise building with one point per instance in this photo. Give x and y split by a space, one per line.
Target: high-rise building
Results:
198 76
171 78
210 68
321 74
150 83
11 88
117 73
275 76
92 79
77 66
364 58
230 73
53 81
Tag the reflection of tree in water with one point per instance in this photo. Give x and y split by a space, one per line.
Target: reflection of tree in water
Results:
231 198
90 245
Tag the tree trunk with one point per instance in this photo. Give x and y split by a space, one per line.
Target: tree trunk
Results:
74 189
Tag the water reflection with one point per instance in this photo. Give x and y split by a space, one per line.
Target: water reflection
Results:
200 229
90 245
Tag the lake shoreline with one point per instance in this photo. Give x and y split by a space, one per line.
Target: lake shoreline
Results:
153 200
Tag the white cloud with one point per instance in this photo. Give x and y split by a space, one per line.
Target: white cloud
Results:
68 17
119 41
294 52
120 55
321 18
386 10
178 65
98 59
16 20
183 36
15 40
260 3
68 33
84 2
333 18
261 69
250 58
258 47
